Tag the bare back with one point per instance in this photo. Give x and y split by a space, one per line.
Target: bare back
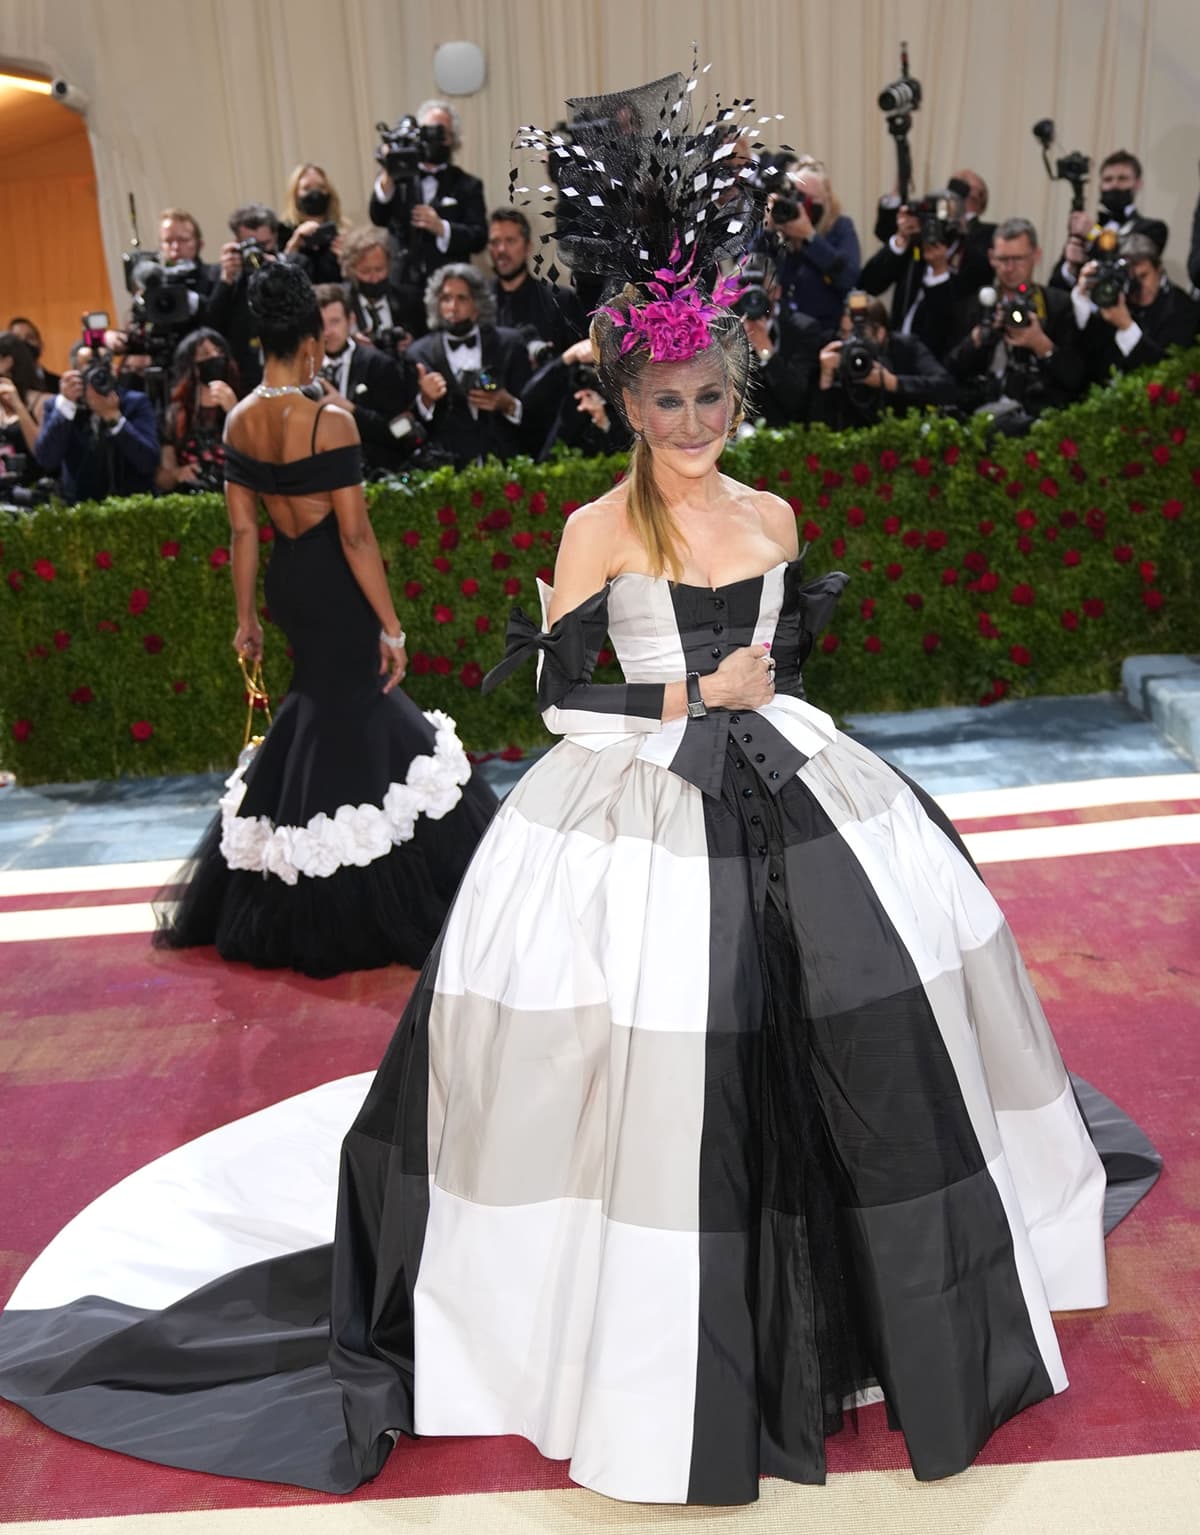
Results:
287 429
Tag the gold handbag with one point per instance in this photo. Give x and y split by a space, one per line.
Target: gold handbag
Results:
256 696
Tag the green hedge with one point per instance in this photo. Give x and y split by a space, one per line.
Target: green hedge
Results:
979 570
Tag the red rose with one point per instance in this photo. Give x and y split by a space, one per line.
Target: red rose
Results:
477 498
218 558
889 460
61 639
1071 557
179 687
1068 519
1154 392
1026 518
470 586
513 491
988 581
812 463
604 656
796 505
448 539
950 456
1025 544
1153 598
441 563
935 539
868 608
1095 519
975 562
1178 435
471 675
934 492
838 547
104 560
884 492
44 569
855 516
412 590
512 586
1147 570
169 550
495 521
106 626
1069 619
891 525
873 644
1022 595
141 730
442 665
1131 470
866 564
522 540
265 533
419 664
1049 534
1122 554
16 580
949 576
513 754
152 644
1093 607
570 506
501 561
1068 448
411 539
83 695
537 503
1172 397
545 574
987 527
831 479
987 628
1019 655
1032 459
912 539
442 614
923 467
36 653
829 643
482 623
139 598
914 600
823 499
812 531
446 515
1172 510
930 642
21 729
785 475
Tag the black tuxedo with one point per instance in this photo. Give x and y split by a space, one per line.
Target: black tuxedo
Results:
415 256
1155 230
383 392
1171 320
363 310
937 317
453 428
552 314
1057 381
920 380
228 311
780 392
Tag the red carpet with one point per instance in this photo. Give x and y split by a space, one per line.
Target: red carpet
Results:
113 1054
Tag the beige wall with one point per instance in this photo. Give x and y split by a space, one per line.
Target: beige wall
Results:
210 102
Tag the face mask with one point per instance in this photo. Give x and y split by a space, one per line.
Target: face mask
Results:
461 327
1115 200
373 289
313 203
210 369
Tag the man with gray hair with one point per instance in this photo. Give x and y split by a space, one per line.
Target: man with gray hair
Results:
470 371
1130 317
434 210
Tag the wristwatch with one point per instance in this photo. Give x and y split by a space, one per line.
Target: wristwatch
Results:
695 703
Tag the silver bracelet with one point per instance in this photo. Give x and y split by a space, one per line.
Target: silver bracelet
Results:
394 641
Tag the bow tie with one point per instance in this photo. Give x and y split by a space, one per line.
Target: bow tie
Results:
456 343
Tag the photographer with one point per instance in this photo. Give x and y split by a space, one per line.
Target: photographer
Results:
22 403
565 405
435 212
869 370
540 310
923 263
374 303
470 373
1120 185
785 344
1023 355
313 224
179 245
818 259
255 231
971 258
28 332
1128 311
99 437
206 390
370 385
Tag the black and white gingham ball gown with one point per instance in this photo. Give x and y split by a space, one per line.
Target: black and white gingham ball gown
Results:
724 1099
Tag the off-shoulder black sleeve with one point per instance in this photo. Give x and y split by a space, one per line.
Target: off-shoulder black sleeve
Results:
568 698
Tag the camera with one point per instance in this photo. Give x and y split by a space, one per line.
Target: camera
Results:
539 349
902 96
941 216
409 144
14 494
583 375
754 302
476 378
392 339
1112 279
859 353
253 254
784 210
1073 168
1017 309
321 238
162 295
212 370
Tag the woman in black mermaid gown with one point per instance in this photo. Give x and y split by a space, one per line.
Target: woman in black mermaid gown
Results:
341 844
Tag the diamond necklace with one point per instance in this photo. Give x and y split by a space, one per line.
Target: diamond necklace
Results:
271 391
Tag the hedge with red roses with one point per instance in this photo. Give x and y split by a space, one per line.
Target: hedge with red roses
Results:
980 569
